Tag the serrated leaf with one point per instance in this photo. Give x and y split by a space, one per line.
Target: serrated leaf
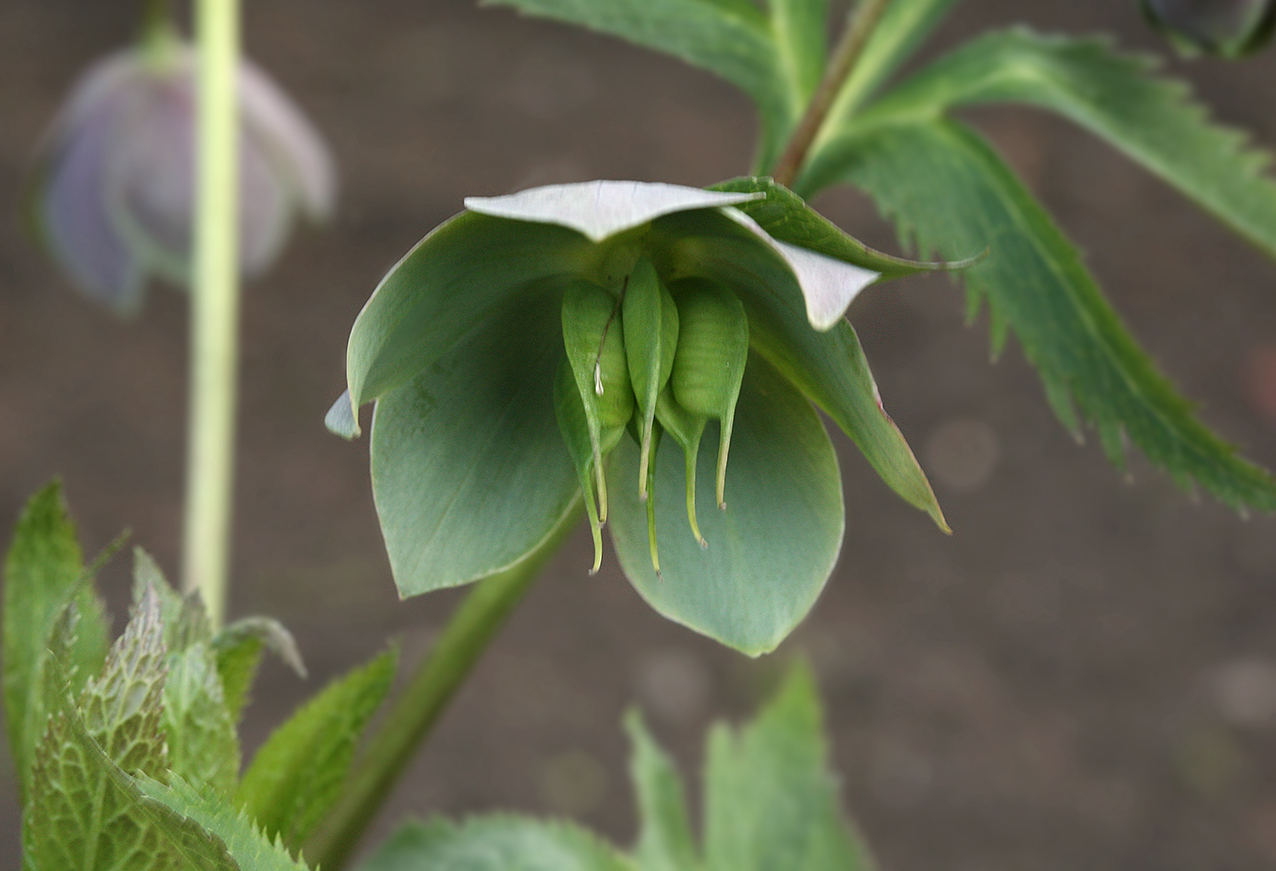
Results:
203 746
239 648
244 843
731 38
185 621
1118 97
948 191
665 842
298 774
43 573
77 817
769 800
497 843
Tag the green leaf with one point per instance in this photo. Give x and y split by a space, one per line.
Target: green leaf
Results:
829 367
76 816
228 836
239 647
770 552
665 842
731 38
1118 97
203 746
786 216
946 189
298 774
769 800
451 282
469 471
134 835
184 619
499 843
43 572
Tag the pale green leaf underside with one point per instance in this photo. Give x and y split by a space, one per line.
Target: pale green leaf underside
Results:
497 843
203 746
601 209
731 38
770 552
469 471
297 775
769 799
948 191
1153 120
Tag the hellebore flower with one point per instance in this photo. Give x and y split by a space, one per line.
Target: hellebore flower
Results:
112 191
587 339
1223 27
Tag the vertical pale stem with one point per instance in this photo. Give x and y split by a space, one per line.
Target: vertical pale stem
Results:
214 309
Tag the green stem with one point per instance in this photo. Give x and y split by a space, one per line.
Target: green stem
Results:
467 635
849 49
214 309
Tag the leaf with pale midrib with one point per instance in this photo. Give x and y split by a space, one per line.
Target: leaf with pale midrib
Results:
947 191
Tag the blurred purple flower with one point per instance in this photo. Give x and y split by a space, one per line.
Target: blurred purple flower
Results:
112 191
1224 27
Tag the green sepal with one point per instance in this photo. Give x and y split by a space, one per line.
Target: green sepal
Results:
771 553
650 321
298 774
480 417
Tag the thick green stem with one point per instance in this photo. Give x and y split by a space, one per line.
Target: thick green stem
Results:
214 309
849 49
416 710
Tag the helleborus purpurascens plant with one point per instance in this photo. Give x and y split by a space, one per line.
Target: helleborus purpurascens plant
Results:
1230 28
111 193
569 339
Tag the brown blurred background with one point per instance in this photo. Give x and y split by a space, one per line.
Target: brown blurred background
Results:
1083 676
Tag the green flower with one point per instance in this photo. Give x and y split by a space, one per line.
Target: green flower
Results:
657 348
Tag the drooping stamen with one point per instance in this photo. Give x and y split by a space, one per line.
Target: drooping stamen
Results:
650 481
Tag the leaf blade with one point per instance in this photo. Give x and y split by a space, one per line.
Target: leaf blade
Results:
299 772
929 177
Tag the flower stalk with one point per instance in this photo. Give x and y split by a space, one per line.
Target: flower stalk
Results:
214 310
850 47
465 638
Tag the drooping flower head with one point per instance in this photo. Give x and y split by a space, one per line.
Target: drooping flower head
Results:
655 348
1223 27
111 194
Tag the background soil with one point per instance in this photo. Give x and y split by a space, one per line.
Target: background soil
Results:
1083 676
